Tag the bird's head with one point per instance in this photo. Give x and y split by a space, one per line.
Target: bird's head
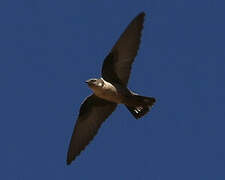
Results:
95 83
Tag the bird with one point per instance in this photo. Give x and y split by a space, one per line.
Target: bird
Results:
110 90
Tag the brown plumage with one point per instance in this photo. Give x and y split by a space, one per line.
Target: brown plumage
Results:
93 113
110 90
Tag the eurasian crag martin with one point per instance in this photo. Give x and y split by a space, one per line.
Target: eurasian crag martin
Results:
110 90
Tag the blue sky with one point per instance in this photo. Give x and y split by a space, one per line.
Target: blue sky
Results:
49 48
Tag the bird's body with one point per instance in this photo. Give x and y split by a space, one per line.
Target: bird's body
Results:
110 90
116 93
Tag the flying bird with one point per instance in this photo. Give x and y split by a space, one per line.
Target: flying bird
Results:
110 90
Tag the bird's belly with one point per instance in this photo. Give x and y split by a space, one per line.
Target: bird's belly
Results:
110 94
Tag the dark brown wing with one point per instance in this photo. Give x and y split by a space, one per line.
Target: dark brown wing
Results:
93 113
117 65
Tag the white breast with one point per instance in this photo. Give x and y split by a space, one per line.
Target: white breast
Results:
108 92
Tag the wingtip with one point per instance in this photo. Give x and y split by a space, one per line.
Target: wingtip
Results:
141 17
68 162
142 13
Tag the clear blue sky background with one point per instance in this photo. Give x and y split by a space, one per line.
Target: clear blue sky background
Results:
49 48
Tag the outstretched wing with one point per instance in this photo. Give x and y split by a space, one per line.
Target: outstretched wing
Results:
93 113
117 65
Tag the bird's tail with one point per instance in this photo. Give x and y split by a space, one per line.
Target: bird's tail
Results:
144 104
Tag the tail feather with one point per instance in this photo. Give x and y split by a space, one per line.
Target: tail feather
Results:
144 105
